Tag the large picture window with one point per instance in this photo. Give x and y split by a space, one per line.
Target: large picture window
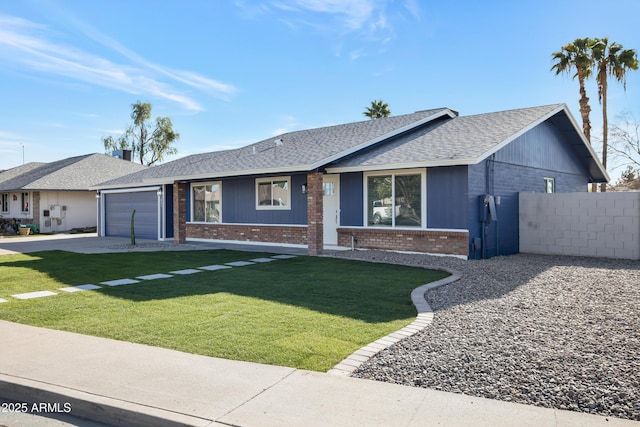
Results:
206 202
273 193
395 199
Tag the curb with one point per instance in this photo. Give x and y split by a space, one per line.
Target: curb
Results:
425 316
92 407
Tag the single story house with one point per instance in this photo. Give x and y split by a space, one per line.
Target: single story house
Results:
55 196
430 181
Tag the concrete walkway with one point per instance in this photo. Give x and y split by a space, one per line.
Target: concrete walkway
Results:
121 383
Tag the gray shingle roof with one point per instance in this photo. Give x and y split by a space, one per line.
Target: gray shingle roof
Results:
461 140
425 138
300 150
74 173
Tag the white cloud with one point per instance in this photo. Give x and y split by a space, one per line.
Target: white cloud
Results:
27 44
413 7
354 12
353 15
363 26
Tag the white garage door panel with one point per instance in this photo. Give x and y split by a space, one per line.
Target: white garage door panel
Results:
118 209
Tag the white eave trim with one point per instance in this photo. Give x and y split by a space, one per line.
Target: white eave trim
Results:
225 174
416 165
587 143
131 190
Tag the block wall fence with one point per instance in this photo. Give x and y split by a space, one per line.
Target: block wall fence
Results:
584 224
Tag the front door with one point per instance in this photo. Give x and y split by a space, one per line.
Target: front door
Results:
331 211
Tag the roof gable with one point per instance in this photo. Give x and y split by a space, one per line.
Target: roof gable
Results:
74 173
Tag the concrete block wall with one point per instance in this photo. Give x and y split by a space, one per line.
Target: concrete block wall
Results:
584 224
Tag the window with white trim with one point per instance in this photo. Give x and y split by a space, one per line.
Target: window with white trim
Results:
25 202
273 193
395 199
549 185
4 202
206 202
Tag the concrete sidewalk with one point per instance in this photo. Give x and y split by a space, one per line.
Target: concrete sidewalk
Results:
120 383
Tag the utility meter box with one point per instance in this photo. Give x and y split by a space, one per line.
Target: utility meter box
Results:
54 211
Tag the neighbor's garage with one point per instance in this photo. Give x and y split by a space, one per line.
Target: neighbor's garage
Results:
117 213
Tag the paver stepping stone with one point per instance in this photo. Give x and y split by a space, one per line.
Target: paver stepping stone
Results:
38 294
263 259
239 263
3 300
214 267
80 288
154 276
120 282
186 271
283 256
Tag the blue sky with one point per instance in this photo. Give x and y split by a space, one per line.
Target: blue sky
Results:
229 73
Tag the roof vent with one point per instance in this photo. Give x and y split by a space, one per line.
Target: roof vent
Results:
278 142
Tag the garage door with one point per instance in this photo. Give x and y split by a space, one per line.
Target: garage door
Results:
118 208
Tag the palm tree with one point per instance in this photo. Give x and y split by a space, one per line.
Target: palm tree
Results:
577 55
610 60
377 110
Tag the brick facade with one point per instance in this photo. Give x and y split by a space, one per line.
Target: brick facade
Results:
179 212
296 235
428 241
315 213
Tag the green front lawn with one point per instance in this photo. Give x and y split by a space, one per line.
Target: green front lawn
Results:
304 312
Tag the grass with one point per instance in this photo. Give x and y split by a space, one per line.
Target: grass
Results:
304 312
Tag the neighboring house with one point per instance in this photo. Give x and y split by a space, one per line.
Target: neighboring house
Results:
55 196
429 182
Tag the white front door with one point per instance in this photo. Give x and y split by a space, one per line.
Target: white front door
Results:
331 211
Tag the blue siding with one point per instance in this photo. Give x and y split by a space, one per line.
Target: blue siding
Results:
168 209
477 185
351 199
239 203
447 197
520 166
543 147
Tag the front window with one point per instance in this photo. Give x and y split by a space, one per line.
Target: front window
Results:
4 202
206 202
395 199
25 202
273 193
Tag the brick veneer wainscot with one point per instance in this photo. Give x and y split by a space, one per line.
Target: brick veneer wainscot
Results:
428 241
296 235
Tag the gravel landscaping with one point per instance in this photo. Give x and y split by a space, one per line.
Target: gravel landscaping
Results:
551 331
